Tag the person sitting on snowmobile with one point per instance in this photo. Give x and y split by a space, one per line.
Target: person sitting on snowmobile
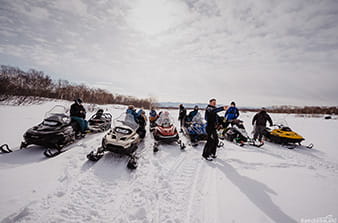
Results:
230 115
98 114
153 115
191 115
142 122
78 114
131 110
259 121
182 115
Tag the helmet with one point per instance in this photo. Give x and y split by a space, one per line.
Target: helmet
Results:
233 103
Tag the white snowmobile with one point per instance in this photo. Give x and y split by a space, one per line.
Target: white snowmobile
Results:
123 139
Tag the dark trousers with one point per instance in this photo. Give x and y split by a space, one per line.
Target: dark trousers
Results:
259 129
181 123
212 142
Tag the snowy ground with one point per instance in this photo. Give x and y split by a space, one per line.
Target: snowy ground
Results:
268 184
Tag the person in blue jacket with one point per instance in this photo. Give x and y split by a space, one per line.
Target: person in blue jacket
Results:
231 114
192 114
131 110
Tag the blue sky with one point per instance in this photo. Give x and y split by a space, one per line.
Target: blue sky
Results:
257 53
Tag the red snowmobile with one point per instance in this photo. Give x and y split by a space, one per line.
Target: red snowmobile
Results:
165 131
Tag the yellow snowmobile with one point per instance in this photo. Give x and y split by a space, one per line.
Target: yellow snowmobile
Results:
282 134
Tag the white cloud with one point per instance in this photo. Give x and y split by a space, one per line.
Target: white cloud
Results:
257 52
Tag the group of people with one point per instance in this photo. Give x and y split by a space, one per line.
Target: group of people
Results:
214 121
259 121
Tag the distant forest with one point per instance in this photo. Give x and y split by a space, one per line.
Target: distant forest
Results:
16 82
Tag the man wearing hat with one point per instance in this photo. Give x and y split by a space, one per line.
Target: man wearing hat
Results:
209 151
78 114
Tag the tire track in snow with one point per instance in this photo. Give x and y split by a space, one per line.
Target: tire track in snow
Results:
303 157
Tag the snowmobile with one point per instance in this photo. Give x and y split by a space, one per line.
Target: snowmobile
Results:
236 133
196 129
282 134
123 139
100 121
165 131
55 132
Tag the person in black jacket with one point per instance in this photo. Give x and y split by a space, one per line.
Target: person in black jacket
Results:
259 121
181 116
78 114
209 151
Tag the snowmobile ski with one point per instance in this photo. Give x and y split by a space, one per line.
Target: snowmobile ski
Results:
5 149
52 152
95 156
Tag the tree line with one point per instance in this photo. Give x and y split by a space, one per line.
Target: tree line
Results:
288 109
34 83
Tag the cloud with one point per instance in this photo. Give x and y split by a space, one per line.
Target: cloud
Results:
258 52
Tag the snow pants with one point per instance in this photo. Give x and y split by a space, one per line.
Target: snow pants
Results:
82 122
259 129
212 142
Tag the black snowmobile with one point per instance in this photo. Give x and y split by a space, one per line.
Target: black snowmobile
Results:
55 132
236 133
100 121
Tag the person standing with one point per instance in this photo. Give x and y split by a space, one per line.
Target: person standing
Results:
259 123
181 116
231 114
209 151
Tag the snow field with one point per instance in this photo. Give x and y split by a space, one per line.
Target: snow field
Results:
267 184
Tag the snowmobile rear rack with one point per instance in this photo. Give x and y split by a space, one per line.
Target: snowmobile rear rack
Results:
5 149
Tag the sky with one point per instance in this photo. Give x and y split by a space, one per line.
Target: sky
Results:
257 53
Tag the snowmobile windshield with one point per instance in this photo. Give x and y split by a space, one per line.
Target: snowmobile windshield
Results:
281 123
56 110
126 120
198 119
56 116
164 120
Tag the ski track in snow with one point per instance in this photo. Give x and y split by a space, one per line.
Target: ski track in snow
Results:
171 186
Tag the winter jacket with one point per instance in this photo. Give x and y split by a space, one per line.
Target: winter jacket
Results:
182 114
191 115
152 113
232 113
211 115
135 114
261 118
77 110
